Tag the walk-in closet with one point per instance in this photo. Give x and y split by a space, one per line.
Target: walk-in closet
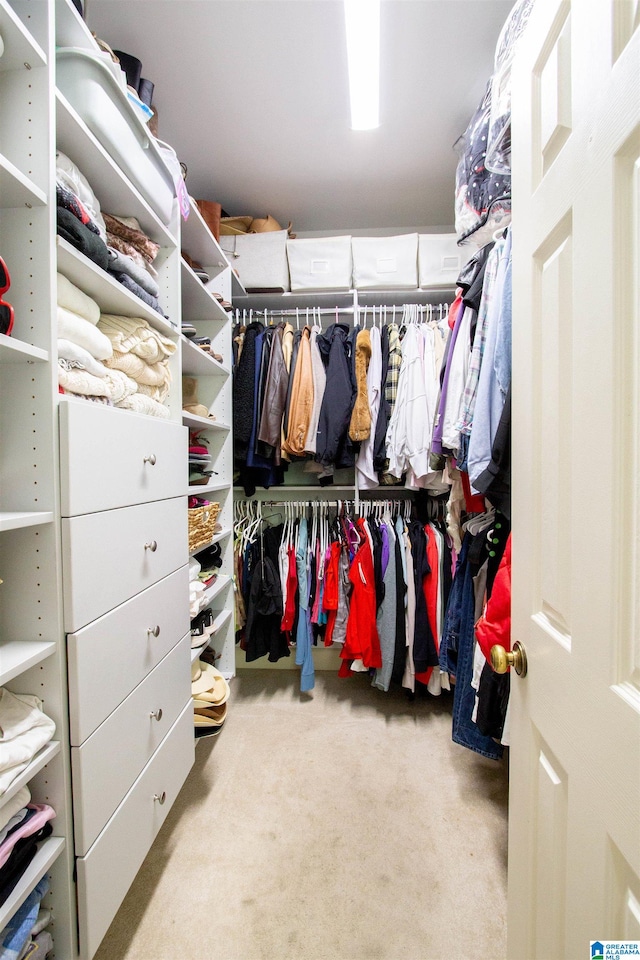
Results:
319 505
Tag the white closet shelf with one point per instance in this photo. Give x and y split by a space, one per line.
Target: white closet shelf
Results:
197 363
110 295
71 30
18 655
343 299
19 46
203 423
198 303
76 140
40 760
17 351
219 621
237 289
16 188
48 852
14 520
219 536
200 488
216 588
285 490
200 244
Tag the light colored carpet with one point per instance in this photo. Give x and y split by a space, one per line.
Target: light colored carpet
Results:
341 825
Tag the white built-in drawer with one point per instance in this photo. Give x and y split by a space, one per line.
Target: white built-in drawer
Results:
108 557
106 764
107 871
114 458
110 657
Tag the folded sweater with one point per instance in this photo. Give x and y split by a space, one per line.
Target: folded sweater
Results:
78 330
122 263
76 300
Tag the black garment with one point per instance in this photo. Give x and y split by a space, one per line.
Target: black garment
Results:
495 481
265 605
338 399
79 236
400 649
297 337
471 278
376 538
493 697
23 852
384 410
265 356
425 653
243 393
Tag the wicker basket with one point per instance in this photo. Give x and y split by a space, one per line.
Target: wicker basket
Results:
202 521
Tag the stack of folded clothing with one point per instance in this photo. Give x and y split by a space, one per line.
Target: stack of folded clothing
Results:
24 730
131 255
209 560
142 355
78 212
25 936
81 346
199 459
20 845
196 589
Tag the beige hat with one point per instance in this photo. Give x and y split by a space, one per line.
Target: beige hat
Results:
210 686
215 714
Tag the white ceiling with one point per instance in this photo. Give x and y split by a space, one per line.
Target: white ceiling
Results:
253 95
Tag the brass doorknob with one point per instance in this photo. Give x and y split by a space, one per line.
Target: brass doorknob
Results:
501 660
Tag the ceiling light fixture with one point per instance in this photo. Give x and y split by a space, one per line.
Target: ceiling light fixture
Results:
362 19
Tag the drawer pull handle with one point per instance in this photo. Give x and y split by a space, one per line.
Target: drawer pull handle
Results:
161 799
156 713
151 545
154 630
150 459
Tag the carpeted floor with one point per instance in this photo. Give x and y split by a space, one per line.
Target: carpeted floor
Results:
339 825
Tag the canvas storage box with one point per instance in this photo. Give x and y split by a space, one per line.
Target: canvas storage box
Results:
260 259
93 91
440 259
320 264
385 263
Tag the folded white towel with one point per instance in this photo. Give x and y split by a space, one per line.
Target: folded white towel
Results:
76 300
78 330
24 729
83 382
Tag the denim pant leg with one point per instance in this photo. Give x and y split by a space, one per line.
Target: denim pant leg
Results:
465 731
451 627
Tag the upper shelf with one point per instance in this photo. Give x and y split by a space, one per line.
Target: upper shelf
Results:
197 302
16 189
200 244
71 30
116 193
344 299
110 295
20 48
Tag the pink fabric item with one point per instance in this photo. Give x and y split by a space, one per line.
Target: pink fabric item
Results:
32 825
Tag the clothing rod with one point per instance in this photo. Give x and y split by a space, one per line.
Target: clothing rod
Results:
301 312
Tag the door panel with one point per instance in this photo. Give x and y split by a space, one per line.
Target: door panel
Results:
574 828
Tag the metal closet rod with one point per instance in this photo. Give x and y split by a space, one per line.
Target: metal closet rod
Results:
301 312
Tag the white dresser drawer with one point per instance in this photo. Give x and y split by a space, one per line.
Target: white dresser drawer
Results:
110 556
114 458
111 656
106 764
106 873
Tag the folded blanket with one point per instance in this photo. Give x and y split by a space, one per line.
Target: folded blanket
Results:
67 350
79 236
76 300
67 199
140 404
103 401
120 385
135 335
121 263
156 375
79 381
69 176
128 229
24 729
80 331
156 393
135 288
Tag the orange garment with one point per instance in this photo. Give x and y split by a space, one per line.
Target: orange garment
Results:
301 403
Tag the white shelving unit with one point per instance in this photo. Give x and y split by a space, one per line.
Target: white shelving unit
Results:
32 647
203 310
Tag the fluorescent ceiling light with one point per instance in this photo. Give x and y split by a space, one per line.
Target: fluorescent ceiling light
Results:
362 18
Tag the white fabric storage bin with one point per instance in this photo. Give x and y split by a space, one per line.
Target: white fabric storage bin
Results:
91 89
322 263
260 259
385 263
440 259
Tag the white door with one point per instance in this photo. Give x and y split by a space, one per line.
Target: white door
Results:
574 817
